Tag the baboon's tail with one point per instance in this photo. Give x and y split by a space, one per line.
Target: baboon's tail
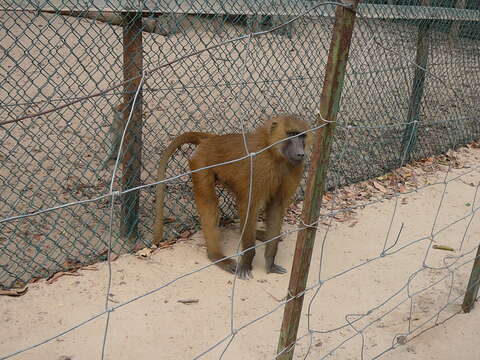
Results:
186 138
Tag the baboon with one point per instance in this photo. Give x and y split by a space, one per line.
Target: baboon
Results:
276 174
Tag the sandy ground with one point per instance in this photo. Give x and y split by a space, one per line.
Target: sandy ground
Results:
159 326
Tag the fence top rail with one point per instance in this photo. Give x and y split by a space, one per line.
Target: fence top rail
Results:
240 7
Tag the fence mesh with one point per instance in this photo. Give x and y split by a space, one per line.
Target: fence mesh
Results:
62 77
56 53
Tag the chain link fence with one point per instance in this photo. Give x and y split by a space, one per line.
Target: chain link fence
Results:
63 67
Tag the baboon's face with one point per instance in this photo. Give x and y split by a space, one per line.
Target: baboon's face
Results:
294 148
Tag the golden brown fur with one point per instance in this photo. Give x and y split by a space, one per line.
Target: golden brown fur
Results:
276 175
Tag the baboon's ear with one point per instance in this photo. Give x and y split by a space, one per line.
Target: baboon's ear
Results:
273 125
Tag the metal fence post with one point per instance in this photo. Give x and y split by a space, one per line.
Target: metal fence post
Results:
132 153
411 131
329 103
455 27
473 285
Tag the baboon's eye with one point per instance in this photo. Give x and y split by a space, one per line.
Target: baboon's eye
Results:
293 133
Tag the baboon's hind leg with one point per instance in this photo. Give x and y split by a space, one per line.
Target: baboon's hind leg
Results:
262 236
207 206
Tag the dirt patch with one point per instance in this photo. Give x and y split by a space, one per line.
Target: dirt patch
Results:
408 289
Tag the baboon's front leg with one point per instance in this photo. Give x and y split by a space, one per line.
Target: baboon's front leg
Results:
248 227
274 216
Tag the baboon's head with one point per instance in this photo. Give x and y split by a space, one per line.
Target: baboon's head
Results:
293 149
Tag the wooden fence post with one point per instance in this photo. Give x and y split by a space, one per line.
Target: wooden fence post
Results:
329 103
132 153
473 285
411 131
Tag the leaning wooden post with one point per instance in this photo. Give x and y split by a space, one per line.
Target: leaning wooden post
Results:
132 153
413 117
329 103
473 285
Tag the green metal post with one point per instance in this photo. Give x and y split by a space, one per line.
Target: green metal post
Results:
132 153
455 27
329 104
411 131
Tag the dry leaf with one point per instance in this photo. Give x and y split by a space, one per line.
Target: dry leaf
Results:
185 234
70 264
379 186
349 194
113 256
353 223
14 292
94 268
145 252
188 301
443 247
58 275
166 244
274 298
450 153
